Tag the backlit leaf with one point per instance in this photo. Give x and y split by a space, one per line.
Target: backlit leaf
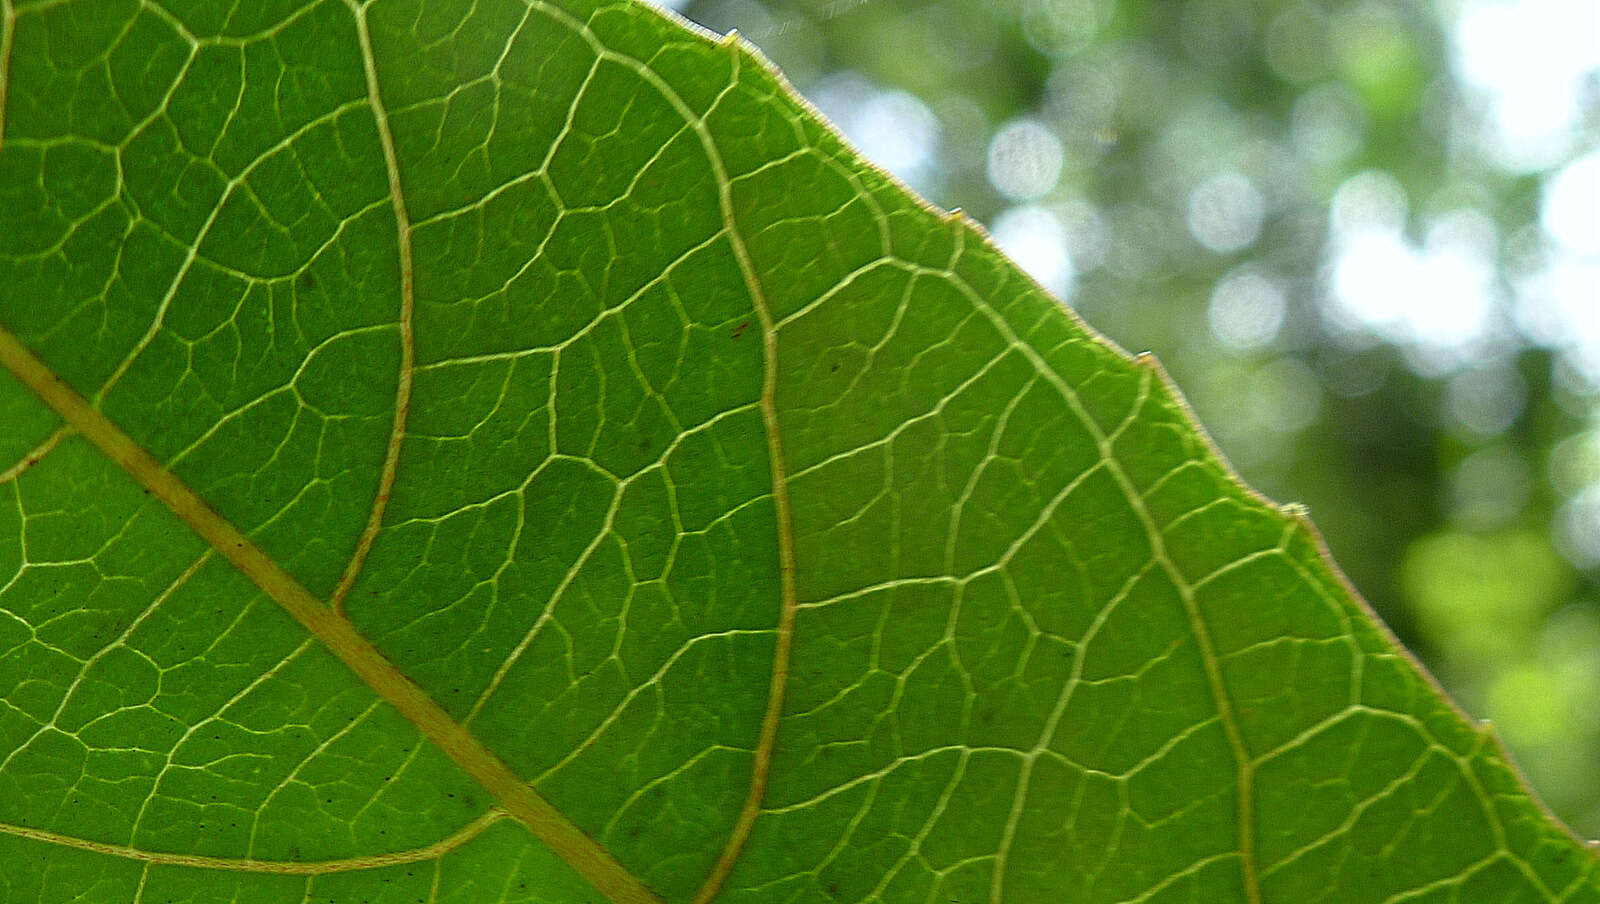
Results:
514 451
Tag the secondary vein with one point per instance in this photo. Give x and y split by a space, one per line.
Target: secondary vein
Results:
402 392
766 742
278 867
337 634
8 29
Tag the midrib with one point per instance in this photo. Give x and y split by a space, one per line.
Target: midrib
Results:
336 633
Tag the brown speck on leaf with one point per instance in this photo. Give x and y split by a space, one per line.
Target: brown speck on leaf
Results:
739 330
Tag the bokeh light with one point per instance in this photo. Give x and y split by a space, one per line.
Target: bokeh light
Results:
1060 28
1490 488
1437 299
1247 309
1329 123
1036 239
1578 527
895 129
1225 212
1485 401
1025 159
1530 62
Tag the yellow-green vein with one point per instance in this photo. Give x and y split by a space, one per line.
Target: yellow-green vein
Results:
766 741
8 28
341 638
777 691
402 390
279 867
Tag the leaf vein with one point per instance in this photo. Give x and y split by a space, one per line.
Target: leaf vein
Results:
280 867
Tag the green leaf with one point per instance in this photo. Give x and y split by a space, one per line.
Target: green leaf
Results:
514 451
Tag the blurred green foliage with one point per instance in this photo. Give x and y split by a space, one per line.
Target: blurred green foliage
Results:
1324 220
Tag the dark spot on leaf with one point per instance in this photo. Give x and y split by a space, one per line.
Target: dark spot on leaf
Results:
739 330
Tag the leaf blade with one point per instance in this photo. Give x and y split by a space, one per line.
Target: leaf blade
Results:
595 595
334 632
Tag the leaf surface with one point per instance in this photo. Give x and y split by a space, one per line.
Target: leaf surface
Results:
515 452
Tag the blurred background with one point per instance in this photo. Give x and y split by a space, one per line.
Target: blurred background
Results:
1364 237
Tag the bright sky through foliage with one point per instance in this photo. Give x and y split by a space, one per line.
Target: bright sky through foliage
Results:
1529 58
1034 237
